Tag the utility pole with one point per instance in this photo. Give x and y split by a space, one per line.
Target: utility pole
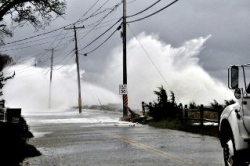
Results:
78 69
124 39
51 71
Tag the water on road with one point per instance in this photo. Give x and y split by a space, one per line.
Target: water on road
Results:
98 138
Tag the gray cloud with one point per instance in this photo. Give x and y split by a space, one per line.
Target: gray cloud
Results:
226 20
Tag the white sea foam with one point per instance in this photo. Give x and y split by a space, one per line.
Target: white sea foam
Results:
178 65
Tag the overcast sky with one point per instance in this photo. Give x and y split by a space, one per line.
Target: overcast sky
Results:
226 21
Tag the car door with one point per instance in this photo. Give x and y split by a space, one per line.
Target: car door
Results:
246 112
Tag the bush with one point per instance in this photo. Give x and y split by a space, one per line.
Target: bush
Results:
163 108
13 140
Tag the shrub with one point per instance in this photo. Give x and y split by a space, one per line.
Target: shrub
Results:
163 108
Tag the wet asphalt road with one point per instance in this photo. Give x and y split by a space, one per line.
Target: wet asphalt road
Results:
98 138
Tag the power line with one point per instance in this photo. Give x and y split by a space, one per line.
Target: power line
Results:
94 24
55 36
95 13
151 60
88 10
62 39
101 6
132 1
44 70
56 39
42 34
66 61
21 48
58 62
100 20
153 13
103 41
102 34
12 45
144 9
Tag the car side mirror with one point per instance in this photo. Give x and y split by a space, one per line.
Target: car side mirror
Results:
237 93
233 77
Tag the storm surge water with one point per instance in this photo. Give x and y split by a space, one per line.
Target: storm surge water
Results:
177 69
30 88
152 63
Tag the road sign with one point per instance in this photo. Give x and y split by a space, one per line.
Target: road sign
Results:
123 89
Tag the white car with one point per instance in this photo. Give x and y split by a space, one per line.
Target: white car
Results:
235 119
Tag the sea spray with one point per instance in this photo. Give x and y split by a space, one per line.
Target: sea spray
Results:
30 88
177 69
152 63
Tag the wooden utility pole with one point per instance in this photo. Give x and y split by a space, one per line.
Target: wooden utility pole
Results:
78 68
51 71
124 39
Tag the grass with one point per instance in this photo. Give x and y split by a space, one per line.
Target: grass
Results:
175 124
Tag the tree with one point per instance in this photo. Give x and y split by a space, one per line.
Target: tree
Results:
162 97
162 108
193 105
229 102
172 100
216 105
38 13
4 61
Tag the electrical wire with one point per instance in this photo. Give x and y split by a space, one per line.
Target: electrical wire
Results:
144 9
65 63
21 48
95 13
62 39
101 7
153 13
10 44
102 34
42 34
51 45
100 20
34 74
88 10
58 62
132 1
103 41
94 24
17 44
151 60
55 36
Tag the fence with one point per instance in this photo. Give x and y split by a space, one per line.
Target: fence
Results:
201 119
2 103
184 113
